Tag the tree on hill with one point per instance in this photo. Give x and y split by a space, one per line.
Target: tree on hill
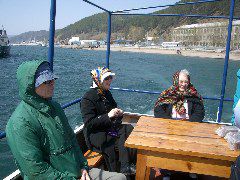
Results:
97 23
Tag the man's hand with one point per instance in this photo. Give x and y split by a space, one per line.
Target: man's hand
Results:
85 175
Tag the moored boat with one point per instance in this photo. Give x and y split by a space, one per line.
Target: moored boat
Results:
4 44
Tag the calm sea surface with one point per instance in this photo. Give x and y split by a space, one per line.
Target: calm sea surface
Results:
133 70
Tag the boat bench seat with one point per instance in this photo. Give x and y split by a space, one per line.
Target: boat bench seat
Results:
94 159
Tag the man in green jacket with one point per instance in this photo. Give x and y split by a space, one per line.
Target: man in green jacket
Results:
39 135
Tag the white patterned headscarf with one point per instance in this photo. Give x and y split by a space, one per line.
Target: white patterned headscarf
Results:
98 76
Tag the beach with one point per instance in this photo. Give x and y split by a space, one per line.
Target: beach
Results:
158 50
190 53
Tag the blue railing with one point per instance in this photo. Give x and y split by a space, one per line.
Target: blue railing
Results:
3 134
224 79
162 6
158 92
52 33
71 103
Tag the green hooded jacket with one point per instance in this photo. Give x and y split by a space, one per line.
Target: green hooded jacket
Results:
39 135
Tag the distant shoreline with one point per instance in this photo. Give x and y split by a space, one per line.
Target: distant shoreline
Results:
235 56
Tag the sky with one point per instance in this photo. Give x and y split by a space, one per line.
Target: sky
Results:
19 16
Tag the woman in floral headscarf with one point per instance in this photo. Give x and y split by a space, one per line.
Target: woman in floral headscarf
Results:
180 101
103 128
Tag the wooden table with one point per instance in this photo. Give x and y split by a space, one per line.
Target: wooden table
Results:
180 146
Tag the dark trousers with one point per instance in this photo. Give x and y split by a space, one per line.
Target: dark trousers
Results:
109 146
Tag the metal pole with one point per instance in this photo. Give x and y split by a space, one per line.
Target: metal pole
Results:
176 4
108 39
89 2
52 33
178 15
226 60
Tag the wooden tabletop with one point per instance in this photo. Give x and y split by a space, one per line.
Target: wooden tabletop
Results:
180 137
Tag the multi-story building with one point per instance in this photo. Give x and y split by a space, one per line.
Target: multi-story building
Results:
207 35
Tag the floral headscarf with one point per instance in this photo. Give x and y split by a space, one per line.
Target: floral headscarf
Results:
98 75
176 97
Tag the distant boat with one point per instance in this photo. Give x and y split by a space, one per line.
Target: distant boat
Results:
4 43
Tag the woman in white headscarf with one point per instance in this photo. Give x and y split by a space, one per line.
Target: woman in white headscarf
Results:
103 128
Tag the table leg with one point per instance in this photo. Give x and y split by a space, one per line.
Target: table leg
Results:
141 166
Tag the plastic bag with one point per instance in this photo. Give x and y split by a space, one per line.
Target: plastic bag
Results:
233 139
229 135
223 130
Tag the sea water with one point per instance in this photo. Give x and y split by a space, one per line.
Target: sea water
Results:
152 72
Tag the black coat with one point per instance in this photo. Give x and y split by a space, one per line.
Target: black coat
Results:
196 110
95 108
97 124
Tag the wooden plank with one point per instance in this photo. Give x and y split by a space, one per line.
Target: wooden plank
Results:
189 164
184 148
179 130
141 167
199 127
130 118
93 158
177 127
176 131
190 139
159 122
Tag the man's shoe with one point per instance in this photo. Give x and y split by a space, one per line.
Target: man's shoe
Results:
129 170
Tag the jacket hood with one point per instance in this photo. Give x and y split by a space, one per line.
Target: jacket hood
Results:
26 82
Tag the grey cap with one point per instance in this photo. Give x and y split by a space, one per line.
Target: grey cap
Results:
44 74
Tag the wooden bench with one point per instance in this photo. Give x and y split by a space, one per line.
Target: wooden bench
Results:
94 159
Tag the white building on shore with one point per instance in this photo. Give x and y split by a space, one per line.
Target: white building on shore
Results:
74 40
207 35
84 43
